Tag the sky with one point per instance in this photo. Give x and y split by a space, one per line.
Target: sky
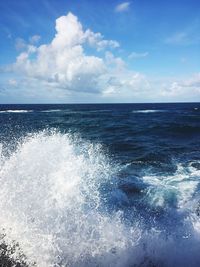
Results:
99 51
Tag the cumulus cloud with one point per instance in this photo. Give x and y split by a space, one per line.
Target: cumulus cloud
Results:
21 44
64 71
122 7
97 40
64 64
188 89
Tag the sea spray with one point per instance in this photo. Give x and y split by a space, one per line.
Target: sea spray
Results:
52 206
175 190
49 202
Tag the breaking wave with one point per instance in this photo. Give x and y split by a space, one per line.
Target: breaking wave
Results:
51 110
147 111
15 111
53 205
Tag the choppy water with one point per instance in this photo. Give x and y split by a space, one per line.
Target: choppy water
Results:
100 185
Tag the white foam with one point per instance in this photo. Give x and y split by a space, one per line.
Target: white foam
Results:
180 186
50 203
52 110
15 111
147 111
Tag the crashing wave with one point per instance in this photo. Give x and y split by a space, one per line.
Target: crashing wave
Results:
52 206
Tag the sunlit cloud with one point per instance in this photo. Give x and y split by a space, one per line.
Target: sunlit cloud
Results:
64 69
64 64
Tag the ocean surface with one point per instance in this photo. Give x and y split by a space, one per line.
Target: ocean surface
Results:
107 185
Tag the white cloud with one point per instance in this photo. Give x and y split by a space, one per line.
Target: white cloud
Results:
135 55
34 39
63 63
63 71
114 62
21 44
12 82
187 88
97 40
193 81
122 7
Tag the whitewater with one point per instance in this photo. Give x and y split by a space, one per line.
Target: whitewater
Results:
68 201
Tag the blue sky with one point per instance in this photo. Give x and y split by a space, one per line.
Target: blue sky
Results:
99 51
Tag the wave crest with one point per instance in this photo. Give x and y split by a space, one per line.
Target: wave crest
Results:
50 200
51 203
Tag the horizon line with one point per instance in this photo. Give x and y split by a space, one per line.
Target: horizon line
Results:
107 103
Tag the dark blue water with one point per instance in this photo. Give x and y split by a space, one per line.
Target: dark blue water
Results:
143 164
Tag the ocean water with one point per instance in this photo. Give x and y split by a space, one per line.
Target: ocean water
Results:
100 185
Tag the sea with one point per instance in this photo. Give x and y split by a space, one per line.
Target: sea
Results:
100 185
